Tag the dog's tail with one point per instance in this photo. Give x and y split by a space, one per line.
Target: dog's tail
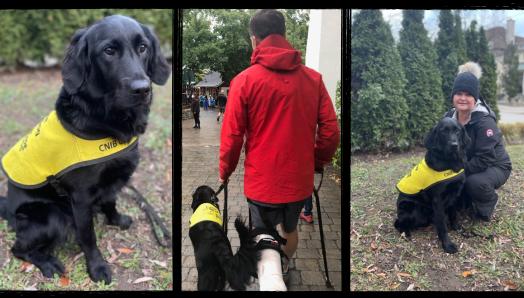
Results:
243 265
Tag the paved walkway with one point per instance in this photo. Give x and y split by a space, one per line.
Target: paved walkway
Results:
511 114
200 166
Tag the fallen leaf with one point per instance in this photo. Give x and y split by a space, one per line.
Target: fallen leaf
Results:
404 274
64 281
373 245
26 267
31 288
143 279
468 273
125 250
394 285
161 264
410 287
383 275
509 285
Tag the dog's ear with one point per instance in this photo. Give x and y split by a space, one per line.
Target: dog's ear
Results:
431 140
158 69
75 68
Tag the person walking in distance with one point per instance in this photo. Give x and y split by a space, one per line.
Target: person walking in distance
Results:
288 120
195 109
222 100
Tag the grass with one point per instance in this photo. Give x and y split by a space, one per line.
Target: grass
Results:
25 98
380 259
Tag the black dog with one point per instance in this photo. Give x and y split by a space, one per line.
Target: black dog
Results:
431 190
214 258
106 94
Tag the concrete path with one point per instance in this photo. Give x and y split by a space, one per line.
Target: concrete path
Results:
511 114
200 166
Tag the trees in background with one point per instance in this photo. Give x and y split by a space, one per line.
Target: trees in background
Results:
36 34
378 104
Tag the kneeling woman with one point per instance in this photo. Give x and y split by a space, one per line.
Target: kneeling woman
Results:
488 164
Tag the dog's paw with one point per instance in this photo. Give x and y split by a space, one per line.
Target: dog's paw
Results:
450 247
122 221
99 270
49 269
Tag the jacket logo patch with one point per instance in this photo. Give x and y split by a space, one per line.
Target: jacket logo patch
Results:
489 132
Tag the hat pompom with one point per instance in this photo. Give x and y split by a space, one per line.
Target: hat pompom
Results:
471 67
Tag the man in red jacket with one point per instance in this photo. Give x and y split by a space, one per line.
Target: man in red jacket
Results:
284 112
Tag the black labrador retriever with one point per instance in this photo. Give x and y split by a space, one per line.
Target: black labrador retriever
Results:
430 192
214 258
103 106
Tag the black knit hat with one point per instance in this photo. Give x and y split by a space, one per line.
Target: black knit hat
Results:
467 82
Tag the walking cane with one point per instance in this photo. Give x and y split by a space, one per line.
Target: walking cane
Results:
315 192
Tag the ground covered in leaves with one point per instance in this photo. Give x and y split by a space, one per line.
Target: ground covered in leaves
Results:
381 259
136 260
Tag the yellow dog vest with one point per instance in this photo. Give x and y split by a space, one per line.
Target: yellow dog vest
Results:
49 150
422 177
205 211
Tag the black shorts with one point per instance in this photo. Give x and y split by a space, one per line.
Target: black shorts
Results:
272 214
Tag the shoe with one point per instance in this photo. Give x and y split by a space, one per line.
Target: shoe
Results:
218 118
195 126
307 218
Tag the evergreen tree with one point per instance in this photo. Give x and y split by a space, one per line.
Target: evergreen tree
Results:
447 56
512 79
378 106
460 42
423 90
472 42
488 81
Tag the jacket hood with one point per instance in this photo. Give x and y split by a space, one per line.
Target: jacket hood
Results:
275 52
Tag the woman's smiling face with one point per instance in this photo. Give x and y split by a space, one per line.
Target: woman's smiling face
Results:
463 102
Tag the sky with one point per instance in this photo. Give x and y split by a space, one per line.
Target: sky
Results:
484 17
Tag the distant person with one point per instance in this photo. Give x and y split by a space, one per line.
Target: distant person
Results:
222 100
195 109
206 103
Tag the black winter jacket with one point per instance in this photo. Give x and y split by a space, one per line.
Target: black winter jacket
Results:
486 148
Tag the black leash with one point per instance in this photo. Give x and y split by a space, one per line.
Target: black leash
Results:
223 186
154 219
323 244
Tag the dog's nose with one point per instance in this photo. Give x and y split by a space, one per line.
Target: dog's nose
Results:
140 87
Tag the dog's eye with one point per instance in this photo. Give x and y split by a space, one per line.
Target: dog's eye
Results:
142 48
109 51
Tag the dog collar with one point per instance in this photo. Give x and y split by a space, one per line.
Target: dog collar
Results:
422 177
205 211
49 150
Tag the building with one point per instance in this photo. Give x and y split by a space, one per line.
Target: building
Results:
499 38
324 46
211 84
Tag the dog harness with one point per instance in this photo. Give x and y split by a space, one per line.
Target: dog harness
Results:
205 211
423 177
49 151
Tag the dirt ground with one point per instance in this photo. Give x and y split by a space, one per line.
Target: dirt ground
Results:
137 263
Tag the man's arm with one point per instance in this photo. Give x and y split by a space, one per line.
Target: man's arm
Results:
328 133
233 129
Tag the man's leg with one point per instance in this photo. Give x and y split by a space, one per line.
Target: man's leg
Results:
291 244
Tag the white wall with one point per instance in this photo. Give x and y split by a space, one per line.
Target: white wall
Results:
324 51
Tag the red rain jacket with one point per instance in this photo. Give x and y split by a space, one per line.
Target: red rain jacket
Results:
276 104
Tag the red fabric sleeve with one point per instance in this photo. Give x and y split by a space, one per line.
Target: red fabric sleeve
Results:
328 133
233 128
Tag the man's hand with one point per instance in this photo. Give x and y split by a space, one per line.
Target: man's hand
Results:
222 181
